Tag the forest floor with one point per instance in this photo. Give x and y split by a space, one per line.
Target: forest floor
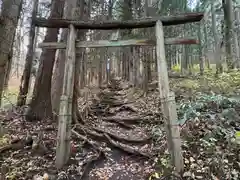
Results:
123 135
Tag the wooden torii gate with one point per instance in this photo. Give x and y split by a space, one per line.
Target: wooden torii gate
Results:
167 98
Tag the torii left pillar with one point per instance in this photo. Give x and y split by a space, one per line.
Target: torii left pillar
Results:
65 111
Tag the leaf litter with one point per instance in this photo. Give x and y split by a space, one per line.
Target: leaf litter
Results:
123 137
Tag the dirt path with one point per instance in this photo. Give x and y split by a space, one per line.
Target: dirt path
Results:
118 122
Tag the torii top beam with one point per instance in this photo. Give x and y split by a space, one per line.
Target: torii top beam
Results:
130 24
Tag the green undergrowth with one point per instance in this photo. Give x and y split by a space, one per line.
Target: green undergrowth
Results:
225 83
9 97
205 105
196 68
202 93
4 140
177 68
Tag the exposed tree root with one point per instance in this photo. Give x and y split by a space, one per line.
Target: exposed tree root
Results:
87 163
114 103
127 108
104 134
85 139
90 132
121 123
38 144
126 119
11 147
126 147
17 145
108 103
128 126
118 94
115 136
98 132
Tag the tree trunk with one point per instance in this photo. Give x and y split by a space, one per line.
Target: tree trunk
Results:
136 65
217 56
200 37
10 14
184 59
82 13
234 35
237 18
40 106
25 80
185 54
100 62
228 17
127 9
206 45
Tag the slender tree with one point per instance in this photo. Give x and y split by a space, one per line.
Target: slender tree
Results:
10 13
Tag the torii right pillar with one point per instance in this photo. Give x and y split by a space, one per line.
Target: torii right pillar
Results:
168 103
